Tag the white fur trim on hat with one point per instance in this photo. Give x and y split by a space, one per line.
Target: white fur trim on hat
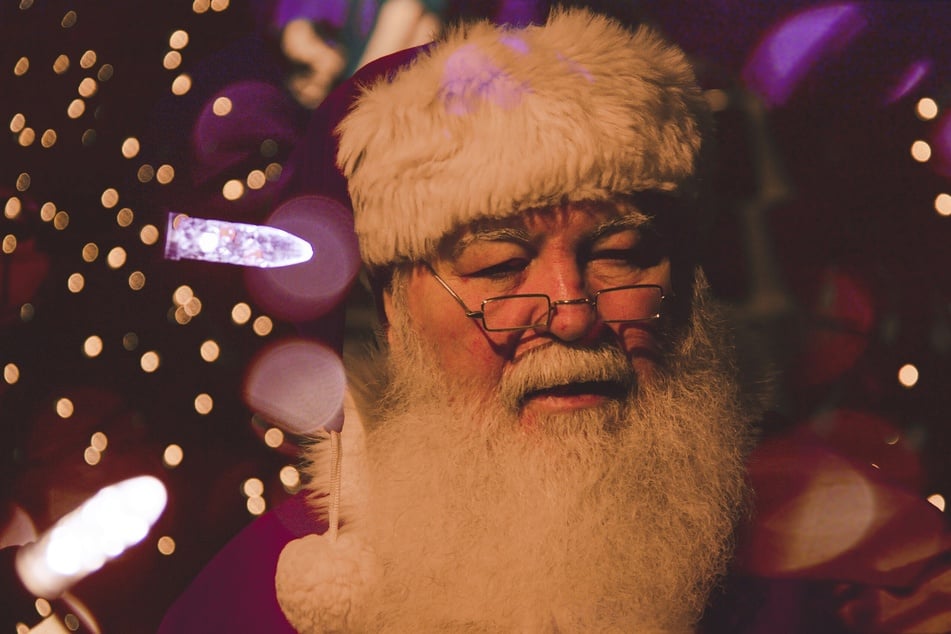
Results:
492 120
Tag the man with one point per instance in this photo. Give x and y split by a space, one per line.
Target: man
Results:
560 441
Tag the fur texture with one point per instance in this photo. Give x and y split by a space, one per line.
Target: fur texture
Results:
614 520
490 121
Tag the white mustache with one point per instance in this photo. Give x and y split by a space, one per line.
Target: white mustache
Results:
555 365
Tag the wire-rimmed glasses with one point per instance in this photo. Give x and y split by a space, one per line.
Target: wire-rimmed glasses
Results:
632 303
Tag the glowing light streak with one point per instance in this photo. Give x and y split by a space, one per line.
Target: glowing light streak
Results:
233 243
116 518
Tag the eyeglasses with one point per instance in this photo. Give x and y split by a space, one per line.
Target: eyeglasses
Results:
638 302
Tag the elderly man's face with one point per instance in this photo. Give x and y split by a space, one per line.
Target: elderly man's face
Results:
566 253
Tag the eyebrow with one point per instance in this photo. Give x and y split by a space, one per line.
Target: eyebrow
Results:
496 234
633 219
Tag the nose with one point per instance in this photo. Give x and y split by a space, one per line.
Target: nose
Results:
573 316
572 319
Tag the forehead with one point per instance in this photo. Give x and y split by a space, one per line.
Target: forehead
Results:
586 220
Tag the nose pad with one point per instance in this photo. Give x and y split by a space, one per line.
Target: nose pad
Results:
572 319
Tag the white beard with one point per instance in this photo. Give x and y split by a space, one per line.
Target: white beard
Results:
614 519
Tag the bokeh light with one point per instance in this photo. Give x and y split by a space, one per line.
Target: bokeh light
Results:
92 347
165 545
908 375
173 456
305 291
298 385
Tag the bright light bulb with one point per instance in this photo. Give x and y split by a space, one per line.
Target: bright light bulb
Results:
103 527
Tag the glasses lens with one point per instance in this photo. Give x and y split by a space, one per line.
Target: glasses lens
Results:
630 303
515 312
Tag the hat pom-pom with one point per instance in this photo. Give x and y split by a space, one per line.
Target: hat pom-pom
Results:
321 581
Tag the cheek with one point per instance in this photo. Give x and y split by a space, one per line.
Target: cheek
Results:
641 343
462 348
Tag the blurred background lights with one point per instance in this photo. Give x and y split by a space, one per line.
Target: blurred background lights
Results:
178 39
43 607
165 545
256 179
76 108
219 5
262 326
48 139
233 189
87 87
69 19
308 290
75 282
256 506
130 147
298 385
9 244
942 204
921 151
137 280
17 123
47 212
204 404
21 67
149 234
172 60
146 173
99 441
222 106
274 438
290 478
90 252
23 182
173 456
64 407
908 375
109 198
92 456
26 138
61 64
11 373
182 295
105 72
926 109
149 361
210 350
130 341
115 518
181 84
165 174
116 258
124 217
240 313
12 208
60 220
88 59
92 347
253 487
937 500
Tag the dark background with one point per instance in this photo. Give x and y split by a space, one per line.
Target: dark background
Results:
823 234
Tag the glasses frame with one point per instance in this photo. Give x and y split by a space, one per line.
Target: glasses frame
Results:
552 304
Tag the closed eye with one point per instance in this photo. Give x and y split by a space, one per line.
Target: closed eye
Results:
501 270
